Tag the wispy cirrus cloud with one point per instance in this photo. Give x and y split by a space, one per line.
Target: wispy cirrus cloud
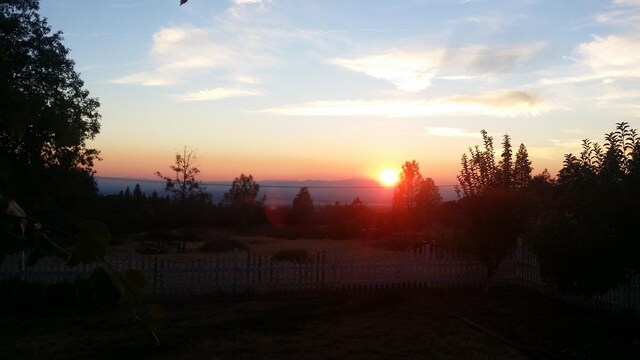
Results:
627 2
242 40
414 71
215 94
179 52
503 103
407 71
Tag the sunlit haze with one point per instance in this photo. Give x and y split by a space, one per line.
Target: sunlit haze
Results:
330 90
389 177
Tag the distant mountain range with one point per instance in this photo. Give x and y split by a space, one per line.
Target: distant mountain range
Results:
281 192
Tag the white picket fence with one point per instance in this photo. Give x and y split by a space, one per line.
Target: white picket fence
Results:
245 271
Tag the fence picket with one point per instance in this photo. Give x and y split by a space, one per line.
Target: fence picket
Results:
426 267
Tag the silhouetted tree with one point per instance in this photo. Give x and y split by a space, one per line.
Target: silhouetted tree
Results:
414 197
414 191
480 173
46 115
586 241
522 169
243 193
494 212
302 208
409 183
137 192
505 166
183 185
241 201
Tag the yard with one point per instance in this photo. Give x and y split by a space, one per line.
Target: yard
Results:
509 323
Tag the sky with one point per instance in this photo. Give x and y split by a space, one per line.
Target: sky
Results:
335 89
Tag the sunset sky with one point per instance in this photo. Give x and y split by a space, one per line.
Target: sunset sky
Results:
324 89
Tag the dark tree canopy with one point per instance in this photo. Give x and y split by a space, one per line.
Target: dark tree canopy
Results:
587 240
480 173
415 198
302 207
494 210
243 192
46 114
413 191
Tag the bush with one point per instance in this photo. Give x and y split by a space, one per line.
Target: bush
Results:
293 255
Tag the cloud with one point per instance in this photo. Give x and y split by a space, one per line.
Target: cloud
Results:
613 55
215 94
504 103
236 44
148 78
450 132
407 71
179 52
414 71
500 99
570 145
604 58
627 2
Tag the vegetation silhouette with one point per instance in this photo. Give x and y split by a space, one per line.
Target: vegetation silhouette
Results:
415 199
585 239
494 210
581 225
46 119
302 208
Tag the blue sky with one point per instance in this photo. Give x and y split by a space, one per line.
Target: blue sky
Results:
340 89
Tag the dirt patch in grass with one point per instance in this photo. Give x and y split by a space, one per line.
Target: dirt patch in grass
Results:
341 325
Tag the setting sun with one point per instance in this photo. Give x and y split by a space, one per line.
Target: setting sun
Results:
389 177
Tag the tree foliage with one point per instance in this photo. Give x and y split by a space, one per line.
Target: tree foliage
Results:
302 208
46 115
586 241
480 172
241 202
415 198
243 192
494 209
413 191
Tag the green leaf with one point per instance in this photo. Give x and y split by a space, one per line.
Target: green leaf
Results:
91 243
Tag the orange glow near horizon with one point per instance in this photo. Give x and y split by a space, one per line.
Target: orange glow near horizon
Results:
142 162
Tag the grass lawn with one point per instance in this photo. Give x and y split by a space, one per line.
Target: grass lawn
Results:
260 245
363 325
